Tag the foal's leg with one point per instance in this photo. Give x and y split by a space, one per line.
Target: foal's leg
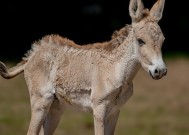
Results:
40 104
53 117
104 120
110 122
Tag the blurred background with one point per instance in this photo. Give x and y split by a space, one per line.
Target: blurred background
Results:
156 108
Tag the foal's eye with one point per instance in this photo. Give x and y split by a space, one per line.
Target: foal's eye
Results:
140 41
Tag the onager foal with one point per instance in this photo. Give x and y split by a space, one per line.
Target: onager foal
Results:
97 77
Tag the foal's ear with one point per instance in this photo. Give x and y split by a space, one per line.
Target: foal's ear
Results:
136 10
157 10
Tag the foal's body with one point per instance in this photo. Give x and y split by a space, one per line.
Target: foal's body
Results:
80 77
96 78
73 73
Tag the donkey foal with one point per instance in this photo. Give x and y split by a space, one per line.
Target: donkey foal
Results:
97 77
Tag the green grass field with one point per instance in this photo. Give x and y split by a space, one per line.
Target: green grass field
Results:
156 108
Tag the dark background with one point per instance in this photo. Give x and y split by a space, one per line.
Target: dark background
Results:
83 21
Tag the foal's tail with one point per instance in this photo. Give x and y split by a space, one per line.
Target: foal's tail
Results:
14 71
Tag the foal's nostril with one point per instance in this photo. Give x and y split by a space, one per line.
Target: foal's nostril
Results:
156 71
165 72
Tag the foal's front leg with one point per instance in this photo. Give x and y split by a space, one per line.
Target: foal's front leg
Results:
105 119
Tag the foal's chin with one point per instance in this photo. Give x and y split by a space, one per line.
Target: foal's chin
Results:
156 78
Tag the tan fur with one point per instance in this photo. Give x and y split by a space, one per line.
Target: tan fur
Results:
96 78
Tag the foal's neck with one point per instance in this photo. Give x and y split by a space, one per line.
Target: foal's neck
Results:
126 57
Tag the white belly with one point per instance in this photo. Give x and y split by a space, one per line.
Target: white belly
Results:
79 99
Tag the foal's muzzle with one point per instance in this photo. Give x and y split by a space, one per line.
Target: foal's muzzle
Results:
158 73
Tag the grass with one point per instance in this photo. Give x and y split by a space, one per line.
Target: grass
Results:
156 108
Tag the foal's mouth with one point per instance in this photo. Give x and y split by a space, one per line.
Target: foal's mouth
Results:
155 77
158 76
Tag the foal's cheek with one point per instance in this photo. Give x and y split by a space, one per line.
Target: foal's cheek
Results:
143 54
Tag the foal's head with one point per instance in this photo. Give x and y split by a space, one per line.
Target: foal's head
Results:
148 36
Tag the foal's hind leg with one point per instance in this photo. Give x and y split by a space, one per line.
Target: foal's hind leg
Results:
53 117
41 101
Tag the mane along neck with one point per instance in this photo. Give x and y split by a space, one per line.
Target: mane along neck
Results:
120 36
117 39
